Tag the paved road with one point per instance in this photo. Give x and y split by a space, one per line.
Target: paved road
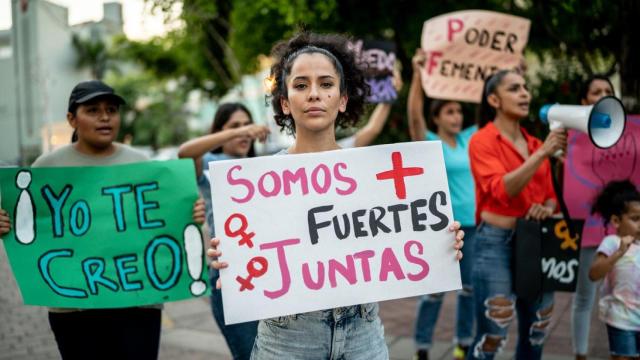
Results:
189 332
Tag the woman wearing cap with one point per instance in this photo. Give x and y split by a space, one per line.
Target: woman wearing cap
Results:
125 333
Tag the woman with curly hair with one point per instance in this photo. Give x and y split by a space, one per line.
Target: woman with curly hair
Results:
317 86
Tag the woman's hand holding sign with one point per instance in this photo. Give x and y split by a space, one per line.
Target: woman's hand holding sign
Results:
459 243
5 223
214 253
199 211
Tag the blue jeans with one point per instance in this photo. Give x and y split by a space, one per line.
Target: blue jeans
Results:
353 332
497 305
583 301
623 342
239 337
429 305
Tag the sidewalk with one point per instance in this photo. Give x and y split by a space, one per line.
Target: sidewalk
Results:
189 331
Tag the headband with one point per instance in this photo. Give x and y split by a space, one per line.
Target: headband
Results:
310 49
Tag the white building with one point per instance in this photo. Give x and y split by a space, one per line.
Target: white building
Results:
37 72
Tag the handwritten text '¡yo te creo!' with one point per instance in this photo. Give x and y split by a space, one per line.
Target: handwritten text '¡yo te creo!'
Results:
125 265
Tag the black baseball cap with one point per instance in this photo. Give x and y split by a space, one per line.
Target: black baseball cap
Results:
91 89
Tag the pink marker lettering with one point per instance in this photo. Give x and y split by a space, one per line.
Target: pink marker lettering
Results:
300 175
326 178
284 268
276 184
416 260
453 26
350 181
308 281
364 257
389 263
348 272
432 62
243 182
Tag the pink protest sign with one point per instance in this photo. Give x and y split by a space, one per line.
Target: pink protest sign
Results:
587 169
463 48
316 231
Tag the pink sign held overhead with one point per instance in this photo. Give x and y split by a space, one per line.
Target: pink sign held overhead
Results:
587 169
463 48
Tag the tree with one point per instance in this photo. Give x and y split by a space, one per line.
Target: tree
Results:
580 38
91 53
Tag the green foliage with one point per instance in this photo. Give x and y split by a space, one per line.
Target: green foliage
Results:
92 54
258 24
223 39
155 114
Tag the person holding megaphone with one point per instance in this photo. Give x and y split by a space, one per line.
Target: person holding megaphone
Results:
512 175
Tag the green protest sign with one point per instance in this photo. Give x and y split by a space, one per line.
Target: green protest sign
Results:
104 237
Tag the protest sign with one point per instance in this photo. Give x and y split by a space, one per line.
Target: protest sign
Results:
377 58
546 257
104 237
463 48
560 255
316 231
587 169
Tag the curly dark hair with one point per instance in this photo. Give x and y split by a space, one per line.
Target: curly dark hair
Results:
334 46
614 199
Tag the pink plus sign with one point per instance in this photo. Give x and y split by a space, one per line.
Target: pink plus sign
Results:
398 173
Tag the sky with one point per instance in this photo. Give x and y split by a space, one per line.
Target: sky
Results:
139 22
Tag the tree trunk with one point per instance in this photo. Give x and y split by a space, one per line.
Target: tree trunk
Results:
630 56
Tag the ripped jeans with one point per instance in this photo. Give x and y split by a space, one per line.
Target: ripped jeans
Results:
497 305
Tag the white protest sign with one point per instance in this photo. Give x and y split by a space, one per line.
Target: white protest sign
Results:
463 48
316 231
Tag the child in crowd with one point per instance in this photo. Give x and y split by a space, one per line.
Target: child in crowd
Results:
618 262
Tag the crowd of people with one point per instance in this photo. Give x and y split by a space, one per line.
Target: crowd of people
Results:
497 173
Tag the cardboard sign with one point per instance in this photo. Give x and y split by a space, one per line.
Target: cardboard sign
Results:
587 169
104 237
322 230
463 48
378 59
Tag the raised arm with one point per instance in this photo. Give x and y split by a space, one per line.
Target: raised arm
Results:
196 148
415 102
373 128
604 262
517 179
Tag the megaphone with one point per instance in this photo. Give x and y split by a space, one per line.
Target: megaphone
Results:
603 121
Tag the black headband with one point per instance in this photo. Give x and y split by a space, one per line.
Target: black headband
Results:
309 49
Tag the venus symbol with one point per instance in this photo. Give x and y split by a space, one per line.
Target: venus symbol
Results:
194 249
25 210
